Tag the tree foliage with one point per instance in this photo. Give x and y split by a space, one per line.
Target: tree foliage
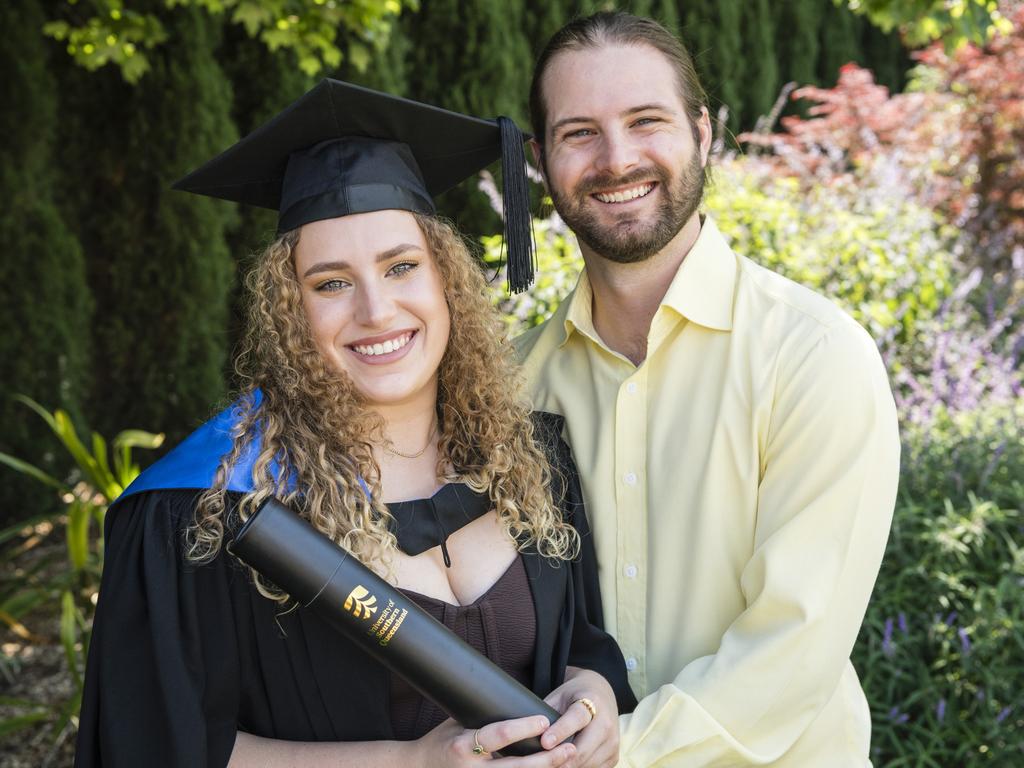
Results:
956 136
158 263
46 309
925 21
119 32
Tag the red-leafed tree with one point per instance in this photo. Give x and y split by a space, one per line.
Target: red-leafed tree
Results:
954 139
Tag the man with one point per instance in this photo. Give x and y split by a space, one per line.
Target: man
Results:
735 432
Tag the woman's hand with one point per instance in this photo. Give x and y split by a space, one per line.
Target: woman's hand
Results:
597 739
450 745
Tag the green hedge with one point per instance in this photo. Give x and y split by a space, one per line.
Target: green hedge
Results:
46 306
158 262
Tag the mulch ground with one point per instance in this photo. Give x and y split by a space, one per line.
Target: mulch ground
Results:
34 670
37 673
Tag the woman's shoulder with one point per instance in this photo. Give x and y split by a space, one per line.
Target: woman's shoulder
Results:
153 520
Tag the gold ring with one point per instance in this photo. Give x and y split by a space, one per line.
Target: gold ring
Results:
477 749
589 706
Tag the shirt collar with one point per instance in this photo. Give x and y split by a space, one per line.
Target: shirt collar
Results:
702 290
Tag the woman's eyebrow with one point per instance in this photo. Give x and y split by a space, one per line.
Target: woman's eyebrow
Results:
334 266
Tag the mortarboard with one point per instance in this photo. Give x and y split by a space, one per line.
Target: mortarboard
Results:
342 149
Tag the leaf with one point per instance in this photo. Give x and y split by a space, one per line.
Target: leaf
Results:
43 413
32 471
125 470
99 452
65 430
134 67
21 603
77 531
58 30
136 438
18 628
68 634
70 710
252 16
12 724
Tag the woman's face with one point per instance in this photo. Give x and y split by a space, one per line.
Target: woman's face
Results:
375 302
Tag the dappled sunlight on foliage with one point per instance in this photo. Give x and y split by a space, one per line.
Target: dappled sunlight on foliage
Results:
107 32
954 138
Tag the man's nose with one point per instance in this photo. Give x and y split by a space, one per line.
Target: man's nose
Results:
619 153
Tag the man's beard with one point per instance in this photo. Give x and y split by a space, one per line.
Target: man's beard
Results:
625 242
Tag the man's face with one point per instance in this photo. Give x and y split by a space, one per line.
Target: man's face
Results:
622 164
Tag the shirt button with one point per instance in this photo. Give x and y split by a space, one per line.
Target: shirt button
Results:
630 571
629 478
631 664
631 387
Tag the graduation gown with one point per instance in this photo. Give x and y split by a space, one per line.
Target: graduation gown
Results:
183 655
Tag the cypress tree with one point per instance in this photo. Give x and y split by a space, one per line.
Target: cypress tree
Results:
797 24
841 32
543 18
760 74
255 100
473 57
886 56
46 308
664 12
712 32
158 262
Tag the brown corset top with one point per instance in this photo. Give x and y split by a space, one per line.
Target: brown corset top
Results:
500 624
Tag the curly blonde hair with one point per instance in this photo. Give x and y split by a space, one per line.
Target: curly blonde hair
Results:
316 434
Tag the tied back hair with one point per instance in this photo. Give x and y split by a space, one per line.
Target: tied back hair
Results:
315 428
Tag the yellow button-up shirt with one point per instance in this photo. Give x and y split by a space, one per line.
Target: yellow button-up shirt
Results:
740 483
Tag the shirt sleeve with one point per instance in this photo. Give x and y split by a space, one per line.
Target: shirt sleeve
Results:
829 471
161 684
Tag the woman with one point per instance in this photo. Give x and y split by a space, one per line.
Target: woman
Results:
380 402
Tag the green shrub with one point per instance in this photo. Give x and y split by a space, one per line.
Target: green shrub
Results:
558 265
70 579
886 261
942 646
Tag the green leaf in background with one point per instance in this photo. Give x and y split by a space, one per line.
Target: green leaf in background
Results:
116 34
924 21
79 517
12 724
69 634
32 471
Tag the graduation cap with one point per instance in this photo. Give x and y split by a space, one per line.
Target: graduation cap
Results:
342 149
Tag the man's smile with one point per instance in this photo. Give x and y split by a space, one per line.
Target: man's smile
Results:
625 195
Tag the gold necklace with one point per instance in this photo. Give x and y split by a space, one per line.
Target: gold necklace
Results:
390 447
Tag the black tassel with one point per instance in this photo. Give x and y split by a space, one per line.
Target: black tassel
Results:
519 246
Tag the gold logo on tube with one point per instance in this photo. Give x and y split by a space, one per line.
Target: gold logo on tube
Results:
358 604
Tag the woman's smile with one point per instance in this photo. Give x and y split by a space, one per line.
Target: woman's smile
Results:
383 349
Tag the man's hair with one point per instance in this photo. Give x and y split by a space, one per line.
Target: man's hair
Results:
617 28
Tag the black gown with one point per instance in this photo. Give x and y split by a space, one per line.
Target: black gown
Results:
183 656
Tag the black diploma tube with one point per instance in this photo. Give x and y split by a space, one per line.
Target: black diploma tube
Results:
384 622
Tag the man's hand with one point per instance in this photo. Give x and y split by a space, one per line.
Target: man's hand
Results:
597 737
